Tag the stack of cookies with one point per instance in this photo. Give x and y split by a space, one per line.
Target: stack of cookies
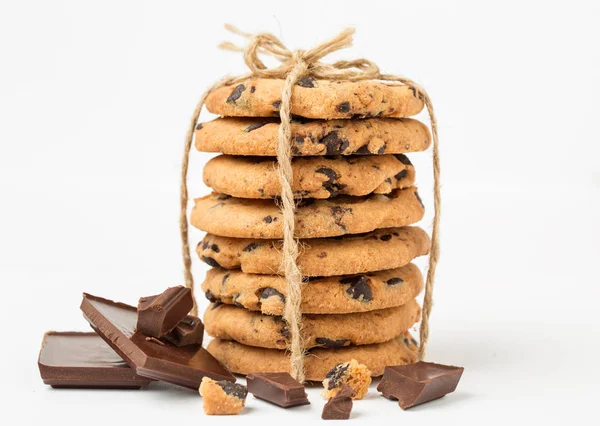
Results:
356 200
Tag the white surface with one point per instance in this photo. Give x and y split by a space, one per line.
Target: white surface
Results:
95 99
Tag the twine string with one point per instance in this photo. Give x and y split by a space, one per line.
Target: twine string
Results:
294 65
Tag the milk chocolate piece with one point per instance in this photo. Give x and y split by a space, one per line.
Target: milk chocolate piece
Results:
340 406
189 331
418 383
83 360
183 366
278 388
158 315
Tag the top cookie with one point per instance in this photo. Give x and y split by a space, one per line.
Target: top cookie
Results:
311 98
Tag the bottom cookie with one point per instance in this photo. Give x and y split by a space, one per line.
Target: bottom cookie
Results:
242 359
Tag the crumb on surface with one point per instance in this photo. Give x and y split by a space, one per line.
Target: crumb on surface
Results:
357 376
222 397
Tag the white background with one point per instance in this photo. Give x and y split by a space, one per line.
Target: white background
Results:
95 99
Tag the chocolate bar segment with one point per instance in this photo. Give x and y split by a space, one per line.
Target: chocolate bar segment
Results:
278 388
417 383
158 315
340 406
189 331
83 360
183 366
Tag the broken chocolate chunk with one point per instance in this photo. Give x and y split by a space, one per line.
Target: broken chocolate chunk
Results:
340 406
189 331
418 383
236 94
158 315
277 388
330 185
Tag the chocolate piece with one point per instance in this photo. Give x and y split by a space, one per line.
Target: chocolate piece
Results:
83 360
277 388
340 406
158 315
183 366
189 331
418 383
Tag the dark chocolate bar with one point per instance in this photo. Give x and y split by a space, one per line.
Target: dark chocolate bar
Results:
278 388
189 331
418 383
83 360
159 314
340 406
183 366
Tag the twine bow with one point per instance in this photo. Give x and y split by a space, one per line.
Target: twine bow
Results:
293 66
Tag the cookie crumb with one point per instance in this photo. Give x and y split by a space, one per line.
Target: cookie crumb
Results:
357 376
222 397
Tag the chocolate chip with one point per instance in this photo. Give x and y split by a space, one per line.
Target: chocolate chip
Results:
413 90
338 213
394 281
215 248
330 185
216 305
419 198
406 342
269 292
359 288
335 375
344 107
223 197
414 342
403 159
285 332
306 82
381 150
277 104
322 255
334 144
251 247
225 277
198 126
304 202
386 237
261 191
388 180
401 174
268 219
233 389
254 127
235 95
363 150
210 261
211 297
331 344
235 298
205 245
252 89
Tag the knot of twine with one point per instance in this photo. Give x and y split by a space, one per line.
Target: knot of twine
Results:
293 66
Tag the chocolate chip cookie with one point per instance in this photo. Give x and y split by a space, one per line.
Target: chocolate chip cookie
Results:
259 136
320 257
227 216
314 177
311 98
244 359
324 295
230 322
